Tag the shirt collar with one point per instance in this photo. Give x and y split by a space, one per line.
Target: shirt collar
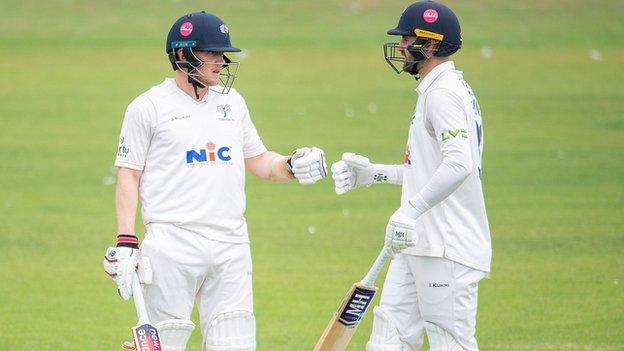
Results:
433 75
174 86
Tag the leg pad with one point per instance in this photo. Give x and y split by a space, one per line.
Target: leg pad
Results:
440 339
231 331
175 333
385 336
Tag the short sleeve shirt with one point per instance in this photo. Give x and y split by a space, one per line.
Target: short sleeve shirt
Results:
192 154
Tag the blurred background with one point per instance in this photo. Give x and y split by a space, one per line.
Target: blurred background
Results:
548 75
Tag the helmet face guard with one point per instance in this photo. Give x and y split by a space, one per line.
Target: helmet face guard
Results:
398 61
190 66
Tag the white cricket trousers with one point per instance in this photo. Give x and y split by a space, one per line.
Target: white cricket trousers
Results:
421 289
190 268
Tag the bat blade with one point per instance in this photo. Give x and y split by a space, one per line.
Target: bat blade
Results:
146 338
345 321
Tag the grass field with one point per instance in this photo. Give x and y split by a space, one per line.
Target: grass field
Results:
549 78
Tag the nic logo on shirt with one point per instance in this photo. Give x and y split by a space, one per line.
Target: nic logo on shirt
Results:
211 155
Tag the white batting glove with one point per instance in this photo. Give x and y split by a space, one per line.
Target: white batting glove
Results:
121 262
308 165
400 232
354 171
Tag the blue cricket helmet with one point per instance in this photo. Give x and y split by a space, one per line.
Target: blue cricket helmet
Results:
201 31
431 20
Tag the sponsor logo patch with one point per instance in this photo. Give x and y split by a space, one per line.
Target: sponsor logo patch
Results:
209 156
461 133
186 29
430 16
123 150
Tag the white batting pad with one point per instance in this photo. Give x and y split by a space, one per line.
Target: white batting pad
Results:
440 339
385 336
175 333
232 331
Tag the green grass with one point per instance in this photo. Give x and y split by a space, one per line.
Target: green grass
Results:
553 163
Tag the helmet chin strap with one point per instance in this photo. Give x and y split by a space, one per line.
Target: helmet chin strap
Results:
195 83
191 69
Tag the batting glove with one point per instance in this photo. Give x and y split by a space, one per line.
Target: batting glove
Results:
400 232
122 261
308 165
354 171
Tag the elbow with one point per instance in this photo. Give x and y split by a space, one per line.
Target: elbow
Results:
465 169
276 179
462 167
264 174
271 176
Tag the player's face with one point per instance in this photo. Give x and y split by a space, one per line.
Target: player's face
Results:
408 65
405 42
210 70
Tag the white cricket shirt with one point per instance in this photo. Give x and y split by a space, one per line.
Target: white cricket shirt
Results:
192 155
443 171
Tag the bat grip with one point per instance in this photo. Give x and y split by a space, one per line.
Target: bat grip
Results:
371 276
139 302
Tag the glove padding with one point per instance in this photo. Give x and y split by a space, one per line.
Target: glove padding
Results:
352 171
400 233
308 165
120 263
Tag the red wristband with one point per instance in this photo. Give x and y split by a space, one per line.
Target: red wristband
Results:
127 240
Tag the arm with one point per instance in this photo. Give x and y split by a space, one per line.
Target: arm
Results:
120 262
126 199
269 165
448 121
307 164
451 173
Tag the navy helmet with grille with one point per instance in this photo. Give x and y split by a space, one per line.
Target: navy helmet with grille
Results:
431 20
198 31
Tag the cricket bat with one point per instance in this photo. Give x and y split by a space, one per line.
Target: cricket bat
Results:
345 321
144 333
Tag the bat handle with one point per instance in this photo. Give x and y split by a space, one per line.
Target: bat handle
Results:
139 302
371 276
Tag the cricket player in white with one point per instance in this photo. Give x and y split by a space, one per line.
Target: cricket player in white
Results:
439 236
184 147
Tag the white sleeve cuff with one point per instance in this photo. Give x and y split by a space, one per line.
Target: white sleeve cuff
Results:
415 207
131 165
258 149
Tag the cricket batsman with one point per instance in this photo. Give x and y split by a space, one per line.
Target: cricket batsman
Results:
183 150
431 285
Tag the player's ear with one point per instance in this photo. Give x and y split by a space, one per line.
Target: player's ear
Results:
180 55
433 48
